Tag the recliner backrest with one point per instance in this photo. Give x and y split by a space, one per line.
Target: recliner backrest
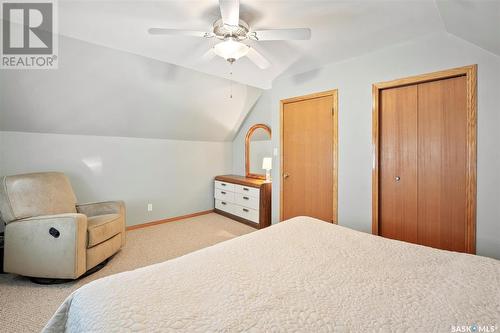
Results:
36 194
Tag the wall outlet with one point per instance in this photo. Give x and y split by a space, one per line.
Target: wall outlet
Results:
150 207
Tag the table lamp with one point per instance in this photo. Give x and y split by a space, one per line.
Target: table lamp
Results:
267 164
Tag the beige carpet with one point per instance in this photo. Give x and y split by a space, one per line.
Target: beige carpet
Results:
26 307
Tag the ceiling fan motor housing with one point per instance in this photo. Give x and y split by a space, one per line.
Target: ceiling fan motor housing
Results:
223 31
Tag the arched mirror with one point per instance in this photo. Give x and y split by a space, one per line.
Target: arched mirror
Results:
258 152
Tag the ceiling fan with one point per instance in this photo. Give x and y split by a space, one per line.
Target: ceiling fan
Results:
232 31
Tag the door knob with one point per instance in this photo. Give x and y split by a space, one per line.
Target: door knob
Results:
397 178
285 176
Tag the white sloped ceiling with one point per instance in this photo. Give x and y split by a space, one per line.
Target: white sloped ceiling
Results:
477 21
101 91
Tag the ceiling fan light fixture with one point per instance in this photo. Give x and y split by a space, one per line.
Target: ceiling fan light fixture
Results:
230 30
231 49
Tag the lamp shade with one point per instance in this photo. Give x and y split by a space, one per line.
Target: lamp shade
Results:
267 163
231 49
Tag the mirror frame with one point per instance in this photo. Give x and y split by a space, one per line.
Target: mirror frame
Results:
252 129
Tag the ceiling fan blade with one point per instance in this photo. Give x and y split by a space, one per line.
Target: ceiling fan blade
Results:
230 12
282 34
258 59
178 32
209 55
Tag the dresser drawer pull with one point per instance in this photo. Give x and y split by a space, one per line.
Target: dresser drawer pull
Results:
246 189
223 184
246 198
223 192
222 202
245 210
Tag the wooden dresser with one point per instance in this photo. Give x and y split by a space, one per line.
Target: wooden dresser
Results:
247 200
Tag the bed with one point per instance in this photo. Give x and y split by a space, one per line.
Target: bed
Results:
300 275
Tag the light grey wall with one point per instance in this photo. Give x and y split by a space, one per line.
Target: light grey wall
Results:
354 78
261 113
175 176
109 95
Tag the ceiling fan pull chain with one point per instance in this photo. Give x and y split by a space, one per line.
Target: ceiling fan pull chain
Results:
231 80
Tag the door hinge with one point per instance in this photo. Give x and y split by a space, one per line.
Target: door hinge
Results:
333 112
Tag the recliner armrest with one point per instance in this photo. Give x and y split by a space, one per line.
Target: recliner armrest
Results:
101 208
106 207
50 246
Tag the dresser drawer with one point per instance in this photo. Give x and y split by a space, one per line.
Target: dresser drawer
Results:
247 190
246 213
246 200
224 195
224 186
225 206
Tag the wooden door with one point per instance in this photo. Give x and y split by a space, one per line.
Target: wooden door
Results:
425 156
442 163
398 163
309 157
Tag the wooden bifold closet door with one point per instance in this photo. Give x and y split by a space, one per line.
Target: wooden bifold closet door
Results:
398 164
424 188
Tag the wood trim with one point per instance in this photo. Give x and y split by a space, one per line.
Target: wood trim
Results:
472 157
470 72
282 105
247 150
335 155
375 149
241 180
434 76
310 96
334 94
172 219
265 205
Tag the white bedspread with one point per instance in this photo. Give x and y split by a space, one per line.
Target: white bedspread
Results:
301 275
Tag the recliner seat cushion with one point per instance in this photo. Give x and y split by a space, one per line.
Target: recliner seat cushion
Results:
103 227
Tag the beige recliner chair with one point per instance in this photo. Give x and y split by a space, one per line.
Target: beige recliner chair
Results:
48 235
